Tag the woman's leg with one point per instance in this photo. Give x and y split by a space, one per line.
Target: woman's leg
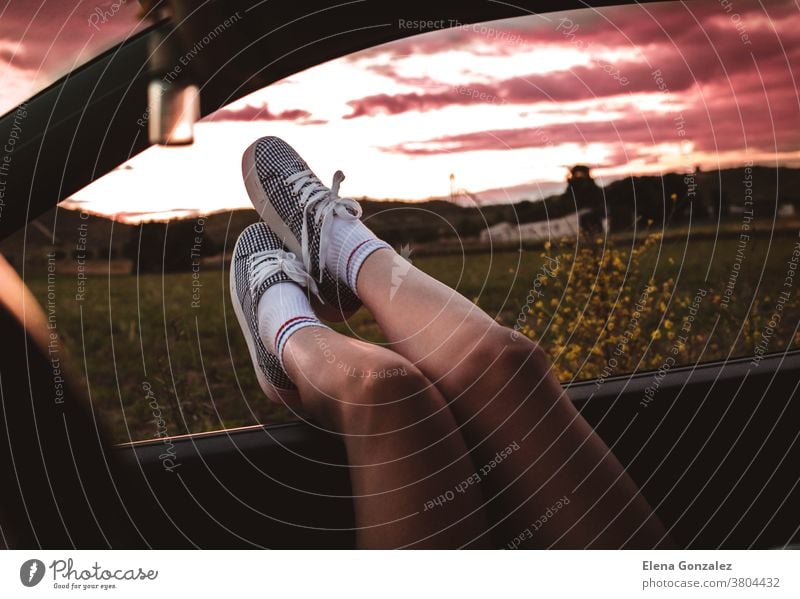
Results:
537 458
403 447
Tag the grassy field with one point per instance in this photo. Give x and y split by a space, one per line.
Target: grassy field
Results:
183 340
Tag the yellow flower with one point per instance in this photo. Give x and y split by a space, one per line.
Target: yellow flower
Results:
656 334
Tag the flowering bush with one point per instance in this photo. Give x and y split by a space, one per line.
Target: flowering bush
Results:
612 310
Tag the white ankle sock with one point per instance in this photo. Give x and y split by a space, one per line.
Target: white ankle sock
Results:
351 243
283 310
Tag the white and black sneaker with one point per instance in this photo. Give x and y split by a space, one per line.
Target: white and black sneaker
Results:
301 211
259 262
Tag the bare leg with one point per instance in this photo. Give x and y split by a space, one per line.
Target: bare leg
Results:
504 396
402 444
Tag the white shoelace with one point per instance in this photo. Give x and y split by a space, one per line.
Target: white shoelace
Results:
312 192
267 263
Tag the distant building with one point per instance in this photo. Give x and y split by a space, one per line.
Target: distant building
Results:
545 230
587 197
580 171
708 200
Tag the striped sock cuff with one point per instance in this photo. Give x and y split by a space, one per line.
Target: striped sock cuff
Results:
357 257
288 328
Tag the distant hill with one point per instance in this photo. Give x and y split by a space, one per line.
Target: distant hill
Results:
705 195
66 232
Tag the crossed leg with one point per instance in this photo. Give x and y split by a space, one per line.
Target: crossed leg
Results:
472 393
503 394
402 443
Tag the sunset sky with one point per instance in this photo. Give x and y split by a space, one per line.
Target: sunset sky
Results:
505 106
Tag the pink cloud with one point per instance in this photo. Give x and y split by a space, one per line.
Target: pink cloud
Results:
580 83
752 120
598 80
695 48
390 71
51 34
41 41
263 113
624 26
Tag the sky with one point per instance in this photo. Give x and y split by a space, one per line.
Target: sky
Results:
506 107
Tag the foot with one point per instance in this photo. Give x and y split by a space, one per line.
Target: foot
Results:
311 220
259 267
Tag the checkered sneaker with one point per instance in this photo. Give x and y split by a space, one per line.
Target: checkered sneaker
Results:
300 209
259 262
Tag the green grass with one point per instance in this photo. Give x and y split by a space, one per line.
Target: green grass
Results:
129 331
